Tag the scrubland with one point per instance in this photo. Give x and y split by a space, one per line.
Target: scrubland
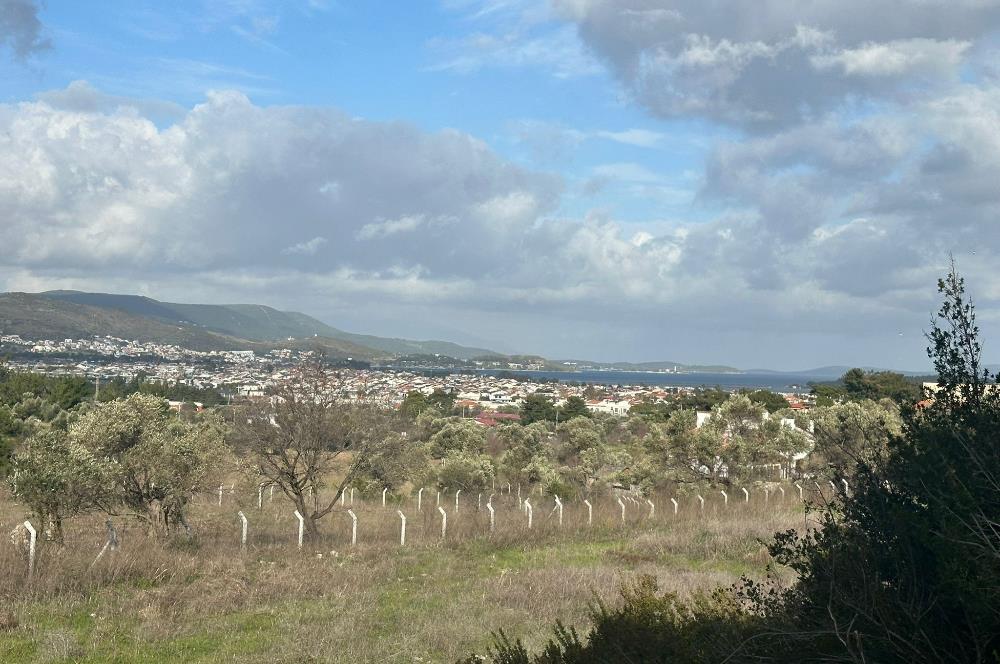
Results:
207 599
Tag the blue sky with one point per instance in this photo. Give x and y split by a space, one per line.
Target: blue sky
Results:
777 185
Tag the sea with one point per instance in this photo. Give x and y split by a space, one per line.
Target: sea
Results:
777 382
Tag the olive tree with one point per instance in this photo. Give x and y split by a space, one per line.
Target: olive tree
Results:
156 461
57 477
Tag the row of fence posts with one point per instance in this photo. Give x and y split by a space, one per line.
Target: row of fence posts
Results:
524 505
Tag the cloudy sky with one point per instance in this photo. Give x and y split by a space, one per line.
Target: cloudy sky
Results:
764 183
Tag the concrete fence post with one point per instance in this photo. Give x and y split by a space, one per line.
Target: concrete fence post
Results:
622 504
746 495
221 487
590 512
402 527
799 487
847 488
674 501
354 527
702 501
559 506
725 498
32 542
302 526
456 500
652 508
492 516
420 498
527 508
444 522
260 496
243 534
383 495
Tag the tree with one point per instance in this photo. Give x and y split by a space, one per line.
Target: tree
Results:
302 434
907 569
57 477
458 435
537 408
414 403
852 433
772 401
466 470
574 407
157 462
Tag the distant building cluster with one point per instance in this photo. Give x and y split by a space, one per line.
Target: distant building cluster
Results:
248 374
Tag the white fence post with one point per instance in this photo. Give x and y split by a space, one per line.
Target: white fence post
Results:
492 521
383 495
243 535
674 501
352 496
799 487
725 497
354 527
620 502
652 508
260 496
590 512
479 503
559 506
746 495
702 501
444 522
32 541
456 500
847 488
420 498
439 499
220 495
301 526
833 486
527 508
518 493
402 527
270 497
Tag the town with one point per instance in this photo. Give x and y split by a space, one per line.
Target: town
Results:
239 374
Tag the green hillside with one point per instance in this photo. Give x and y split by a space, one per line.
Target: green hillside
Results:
256 322
37 317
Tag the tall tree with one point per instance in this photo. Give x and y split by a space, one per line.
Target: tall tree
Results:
304 440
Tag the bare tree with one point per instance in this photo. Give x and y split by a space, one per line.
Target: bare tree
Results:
306 438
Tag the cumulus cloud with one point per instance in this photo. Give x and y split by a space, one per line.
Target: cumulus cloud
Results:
766 64
837 226
20 29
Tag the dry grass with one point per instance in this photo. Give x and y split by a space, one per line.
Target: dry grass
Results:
430 601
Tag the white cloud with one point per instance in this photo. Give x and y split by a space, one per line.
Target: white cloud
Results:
307 248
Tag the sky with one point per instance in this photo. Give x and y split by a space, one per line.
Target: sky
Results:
757 184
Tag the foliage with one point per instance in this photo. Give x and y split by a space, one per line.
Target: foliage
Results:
574 407
458 435
157 462
296 439
537 408
58 477
647 627
465 470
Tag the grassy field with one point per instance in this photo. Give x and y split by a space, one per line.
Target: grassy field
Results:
207 600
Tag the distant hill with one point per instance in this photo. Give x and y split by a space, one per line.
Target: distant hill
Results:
37 317
257 323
